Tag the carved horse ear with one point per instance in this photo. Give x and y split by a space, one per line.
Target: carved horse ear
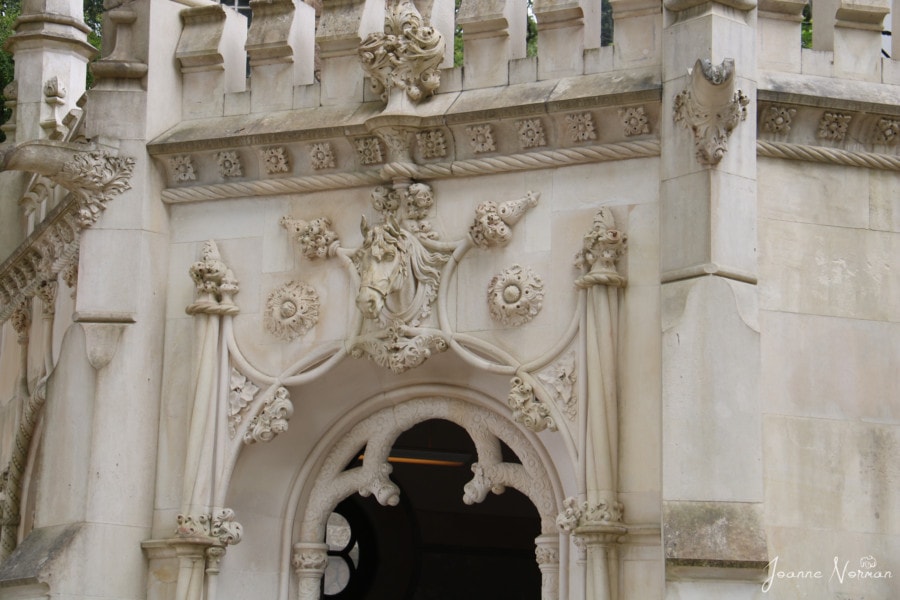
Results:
364 227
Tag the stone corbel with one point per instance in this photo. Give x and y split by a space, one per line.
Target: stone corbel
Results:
711 108
680 5
92 177
102 341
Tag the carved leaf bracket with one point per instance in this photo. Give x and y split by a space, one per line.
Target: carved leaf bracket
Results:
711 108
93 177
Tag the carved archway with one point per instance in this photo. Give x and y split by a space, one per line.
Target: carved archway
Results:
332 482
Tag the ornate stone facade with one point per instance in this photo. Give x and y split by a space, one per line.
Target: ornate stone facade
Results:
323 270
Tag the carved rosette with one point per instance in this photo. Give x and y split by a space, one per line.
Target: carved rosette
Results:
527 409
711 109
493 224
432 144
635 120
291 310
315 237
531 133
321 156
559 379
229 164
405 56
275 160
183 168
272 419
778 119
481 138
581 127
887 131
602 247
369 151
219 525
833 126
515 296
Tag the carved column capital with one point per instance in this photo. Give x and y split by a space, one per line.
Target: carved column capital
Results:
309 560
602 247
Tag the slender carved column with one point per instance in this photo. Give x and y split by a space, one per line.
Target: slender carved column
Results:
547 555
309 562
603 246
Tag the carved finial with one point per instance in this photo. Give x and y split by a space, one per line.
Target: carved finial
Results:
215 283
405 57
493 224
603 246
711 108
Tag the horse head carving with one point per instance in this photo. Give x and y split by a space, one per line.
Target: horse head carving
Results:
399 277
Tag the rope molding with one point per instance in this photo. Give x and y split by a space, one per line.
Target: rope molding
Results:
507 164
478 166
827 155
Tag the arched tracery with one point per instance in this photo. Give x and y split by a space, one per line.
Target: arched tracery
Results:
377 432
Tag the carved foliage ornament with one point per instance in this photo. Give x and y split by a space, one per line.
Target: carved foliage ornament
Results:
405 57
229 164
240 394
291 310
515 296
711 109
635 120
215 283
559 380
581 127
481 138
777 119
576 514
887 131
493 223
531 133
527 408
183 168
315 237
220 525
272 419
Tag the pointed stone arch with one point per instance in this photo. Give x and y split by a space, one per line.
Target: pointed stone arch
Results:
375 429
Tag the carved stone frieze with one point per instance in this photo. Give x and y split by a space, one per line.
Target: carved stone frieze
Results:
405 57
369 150
275 160
778 119
515 296
481 138
182 168
241 392
527 409
493 223
229 164
602 247
711 109
635 121
321 156
272 419
220 525
531 133
581 127
559 380
291 310
432 143
833 126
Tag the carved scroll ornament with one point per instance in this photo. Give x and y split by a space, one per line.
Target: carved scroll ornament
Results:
711 108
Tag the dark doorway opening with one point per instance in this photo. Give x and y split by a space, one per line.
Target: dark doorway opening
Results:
433 546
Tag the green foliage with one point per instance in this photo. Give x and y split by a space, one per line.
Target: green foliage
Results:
806 28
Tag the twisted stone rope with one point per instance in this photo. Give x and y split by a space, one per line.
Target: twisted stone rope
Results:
272 187
478 166
827 155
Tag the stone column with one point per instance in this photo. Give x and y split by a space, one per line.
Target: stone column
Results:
711 420
598 539
546 553
309 560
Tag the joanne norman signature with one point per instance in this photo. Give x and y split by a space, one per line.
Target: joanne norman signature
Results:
841 572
